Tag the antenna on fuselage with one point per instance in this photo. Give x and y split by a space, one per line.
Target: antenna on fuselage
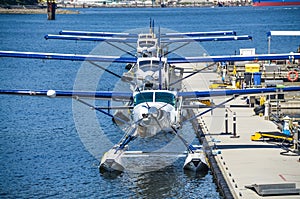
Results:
151 32
151 26
160 62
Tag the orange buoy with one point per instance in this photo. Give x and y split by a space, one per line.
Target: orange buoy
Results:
292 76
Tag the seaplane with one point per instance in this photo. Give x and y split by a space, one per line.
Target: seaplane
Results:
156 101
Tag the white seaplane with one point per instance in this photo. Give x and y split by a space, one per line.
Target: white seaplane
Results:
155 106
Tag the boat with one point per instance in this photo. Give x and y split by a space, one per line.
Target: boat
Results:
276 2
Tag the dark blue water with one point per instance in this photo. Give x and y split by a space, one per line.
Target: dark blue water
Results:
44 152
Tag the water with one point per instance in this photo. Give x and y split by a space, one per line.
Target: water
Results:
43 151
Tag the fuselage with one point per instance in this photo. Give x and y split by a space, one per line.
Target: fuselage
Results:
155 111
151 73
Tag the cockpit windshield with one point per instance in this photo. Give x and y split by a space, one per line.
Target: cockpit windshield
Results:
165 97
143 97
148 63
147 43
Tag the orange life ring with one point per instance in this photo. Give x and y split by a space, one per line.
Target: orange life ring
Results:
295 74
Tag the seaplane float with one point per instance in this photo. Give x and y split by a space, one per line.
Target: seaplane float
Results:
157 101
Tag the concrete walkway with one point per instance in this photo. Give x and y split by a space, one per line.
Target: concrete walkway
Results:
244 162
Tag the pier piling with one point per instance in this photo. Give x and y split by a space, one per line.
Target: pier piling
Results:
51 8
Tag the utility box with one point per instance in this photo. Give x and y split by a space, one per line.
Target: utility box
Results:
252 68
247 51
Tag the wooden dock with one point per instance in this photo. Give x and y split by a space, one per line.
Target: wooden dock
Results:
243 163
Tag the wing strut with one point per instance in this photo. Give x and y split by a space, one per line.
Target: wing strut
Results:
194 73
185 44
106 70
100 110
123 49
210 109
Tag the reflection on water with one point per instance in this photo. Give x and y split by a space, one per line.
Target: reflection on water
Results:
164 183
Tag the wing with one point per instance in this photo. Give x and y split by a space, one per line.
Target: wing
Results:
97 34
112 34
228 58
215 93
99 95
72 57
204 39
134 40
199 34
91 38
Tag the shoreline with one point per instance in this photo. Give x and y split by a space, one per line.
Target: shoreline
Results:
64 8
34 11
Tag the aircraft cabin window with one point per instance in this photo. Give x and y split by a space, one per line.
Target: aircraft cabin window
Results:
146 44
165 97
155 63
143 97
147 62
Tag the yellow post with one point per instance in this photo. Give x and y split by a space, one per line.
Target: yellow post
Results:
262 100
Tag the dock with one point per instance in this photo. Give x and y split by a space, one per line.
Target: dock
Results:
243 168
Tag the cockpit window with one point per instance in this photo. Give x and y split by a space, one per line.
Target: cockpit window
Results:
155 63
159 97
146 43
148 63
143 97
165 97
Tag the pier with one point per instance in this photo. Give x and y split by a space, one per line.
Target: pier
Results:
244 168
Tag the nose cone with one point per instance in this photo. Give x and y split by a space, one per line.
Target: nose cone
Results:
153 111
